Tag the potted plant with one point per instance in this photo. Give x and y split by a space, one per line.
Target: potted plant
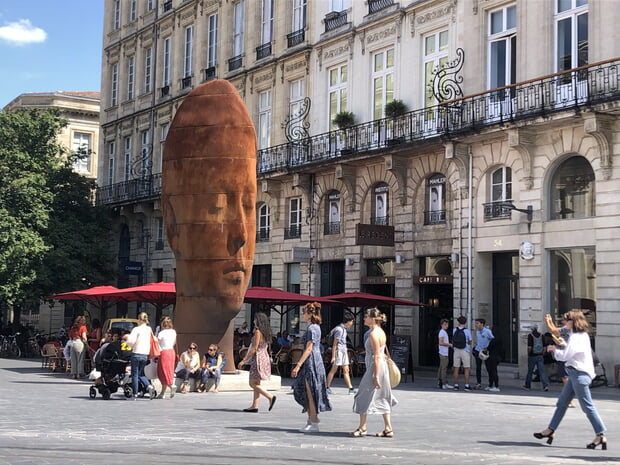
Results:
344 119
393 110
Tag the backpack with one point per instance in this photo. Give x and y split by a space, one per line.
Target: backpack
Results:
459 341
537 346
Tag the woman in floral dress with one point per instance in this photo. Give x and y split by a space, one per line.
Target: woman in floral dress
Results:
260 366
310 387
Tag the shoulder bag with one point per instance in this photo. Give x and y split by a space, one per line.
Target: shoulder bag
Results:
393 369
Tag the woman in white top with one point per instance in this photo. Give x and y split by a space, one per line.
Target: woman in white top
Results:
189 366
577 354
165 367
140 342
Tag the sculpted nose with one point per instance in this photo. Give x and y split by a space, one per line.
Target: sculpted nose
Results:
238 243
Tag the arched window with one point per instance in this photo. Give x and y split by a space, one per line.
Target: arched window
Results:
435 200
572 190
332 213
500 193
264 224
380 205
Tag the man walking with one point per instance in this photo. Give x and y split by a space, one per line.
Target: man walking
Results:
535 351
483 338
443 344
461 341
340 357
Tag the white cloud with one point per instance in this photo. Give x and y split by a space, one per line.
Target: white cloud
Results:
22 32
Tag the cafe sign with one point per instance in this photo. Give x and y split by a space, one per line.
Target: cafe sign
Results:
432 279
374 234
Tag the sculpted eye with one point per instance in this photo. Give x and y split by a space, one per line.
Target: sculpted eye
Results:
216 203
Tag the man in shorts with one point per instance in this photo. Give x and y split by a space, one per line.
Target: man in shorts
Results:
461 342
340 357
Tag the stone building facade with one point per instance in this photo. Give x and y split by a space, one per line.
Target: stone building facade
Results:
489 188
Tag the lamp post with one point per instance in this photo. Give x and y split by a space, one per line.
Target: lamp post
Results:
529 211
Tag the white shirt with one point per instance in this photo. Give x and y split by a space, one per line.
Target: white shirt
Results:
167 338
140 339
443 335
577 354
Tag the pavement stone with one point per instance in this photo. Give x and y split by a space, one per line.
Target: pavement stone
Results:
47 418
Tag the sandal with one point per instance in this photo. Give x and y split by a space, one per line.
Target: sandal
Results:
358 433
385 434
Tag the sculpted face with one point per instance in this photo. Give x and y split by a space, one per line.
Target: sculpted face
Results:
208 203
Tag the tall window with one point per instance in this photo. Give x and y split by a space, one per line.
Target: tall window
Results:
264 223
162 141
133 14
166 67
117 14
380 204
501 185
573 193
127 144
502 47
82 145
145 153
267 21
188 51
435 56
299 15
148 54
212 46
337 92
294 218
571 33
111 150
332 224
382 81
264 119
150 5
435 199
131 76
114 86
296 97
159 237
238 28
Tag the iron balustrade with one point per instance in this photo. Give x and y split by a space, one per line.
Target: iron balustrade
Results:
209 73
334 20
235 63
262 235
585 86
165 91
292 232
497 210
331 228
379 220
295 38
376 5
434 217
263 51
147 188
186 82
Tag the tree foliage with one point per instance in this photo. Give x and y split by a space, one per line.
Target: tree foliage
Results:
51 236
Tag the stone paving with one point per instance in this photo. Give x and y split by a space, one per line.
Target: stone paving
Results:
47 418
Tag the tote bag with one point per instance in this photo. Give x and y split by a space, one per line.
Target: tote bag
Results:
155 350
393 370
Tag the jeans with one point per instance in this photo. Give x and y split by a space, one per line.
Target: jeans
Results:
491 363
138 362
478 367
536 361
206 374
578 385
186 374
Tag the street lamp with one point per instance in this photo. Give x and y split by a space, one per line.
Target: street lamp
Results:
529 211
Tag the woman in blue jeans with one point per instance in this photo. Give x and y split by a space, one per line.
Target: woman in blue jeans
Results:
577 354
140 342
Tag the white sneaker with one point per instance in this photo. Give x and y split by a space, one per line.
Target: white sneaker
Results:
487 388
494 389
173 390
310 428
447 386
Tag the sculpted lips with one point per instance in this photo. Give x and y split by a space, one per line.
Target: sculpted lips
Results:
235 273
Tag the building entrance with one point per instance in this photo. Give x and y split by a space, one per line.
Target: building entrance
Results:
439 299
506 303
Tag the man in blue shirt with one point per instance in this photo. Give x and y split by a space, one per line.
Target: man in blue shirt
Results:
483 338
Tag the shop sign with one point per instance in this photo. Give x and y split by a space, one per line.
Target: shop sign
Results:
301 255
374 234
432 279
131 267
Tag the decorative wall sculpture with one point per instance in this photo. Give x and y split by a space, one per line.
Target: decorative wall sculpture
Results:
208 203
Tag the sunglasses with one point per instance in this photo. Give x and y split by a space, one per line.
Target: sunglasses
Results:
192 348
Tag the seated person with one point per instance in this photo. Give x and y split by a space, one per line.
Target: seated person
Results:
212 364
283 339
297 344
188 366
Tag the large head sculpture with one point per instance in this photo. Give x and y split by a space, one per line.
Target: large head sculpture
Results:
208 203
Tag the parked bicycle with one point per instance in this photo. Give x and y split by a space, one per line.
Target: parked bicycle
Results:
9 346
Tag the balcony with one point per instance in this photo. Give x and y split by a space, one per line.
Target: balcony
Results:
148 188
235 63
263 51
262 235
164 91
581 87
334 20
296 38
292 232
209 73
186 82
167 5
332 228
379 220
435 217
497 210
377 5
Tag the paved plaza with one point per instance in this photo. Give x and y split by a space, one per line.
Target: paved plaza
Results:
47 418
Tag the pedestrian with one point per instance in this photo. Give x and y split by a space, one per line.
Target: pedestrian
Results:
167 337
79 337
443 346
212 365
339 355
483 337
140 342
564 333
260 367
374 395
310 385
577 354
188 367
535 352
495 352
461 342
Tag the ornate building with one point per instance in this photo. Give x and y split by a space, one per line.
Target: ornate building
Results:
456 153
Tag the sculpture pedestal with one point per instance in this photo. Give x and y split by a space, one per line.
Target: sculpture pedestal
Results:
230 382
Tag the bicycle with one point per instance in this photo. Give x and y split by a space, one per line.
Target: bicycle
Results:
9 346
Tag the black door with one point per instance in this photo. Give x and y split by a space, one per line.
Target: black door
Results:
506 303
438 298
332 282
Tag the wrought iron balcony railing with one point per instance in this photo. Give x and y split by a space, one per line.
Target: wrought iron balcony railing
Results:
377 5
497 210
379 220
235 63
209 73
585 86
262 235
435 217
335 19
147 188
332 228
186 82
296 38
263 51
292 232
165 91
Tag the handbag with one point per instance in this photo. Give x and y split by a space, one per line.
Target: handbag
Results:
393 370
150 370
155 350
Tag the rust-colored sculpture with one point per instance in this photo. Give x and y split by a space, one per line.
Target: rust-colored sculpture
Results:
208 203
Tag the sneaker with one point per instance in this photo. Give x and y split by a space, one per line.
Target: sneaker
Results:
353 391
494 389
329 391
310 428
487 388
173 390
447 386
467 387
456 387
525 388
478 386
545 388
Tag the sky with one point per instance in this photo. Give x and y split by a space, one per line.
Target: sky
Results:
49 45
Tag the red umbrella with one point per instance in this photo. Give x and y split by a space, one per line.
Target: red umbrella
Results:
364 299
158 294
99 296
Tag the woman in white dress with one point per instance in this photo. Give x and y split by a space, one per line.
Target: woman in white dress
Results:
374 395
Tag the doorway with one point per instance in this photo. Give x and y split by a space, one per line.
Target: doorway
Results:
506 303
439 300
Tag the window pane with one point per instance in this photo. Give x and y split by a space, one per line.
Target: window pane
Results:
582 39
430 45
564 44
564 5
343 75
390 58
498 63
333 77
581 2
497 21
378 61
511 17
443 40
